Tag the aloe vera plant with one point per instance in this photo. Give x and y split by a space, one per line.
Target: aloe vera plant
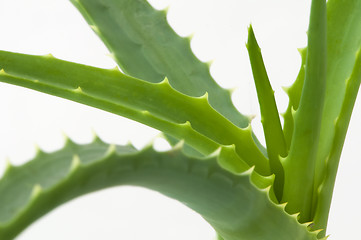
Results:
217 166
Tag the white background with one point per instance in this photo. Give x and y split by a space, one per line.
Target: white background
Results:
219 28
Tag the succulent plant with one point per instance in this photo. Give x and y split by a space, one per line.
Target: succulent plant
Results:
216 166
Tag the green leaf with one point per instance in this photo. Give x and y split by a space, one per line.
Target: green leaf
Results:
300 163
155 104
146 47
275 140
341 124
343 42
233 204
294 94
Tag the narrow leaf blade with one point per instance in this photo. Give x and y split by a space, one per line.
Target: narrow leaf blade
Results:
275 140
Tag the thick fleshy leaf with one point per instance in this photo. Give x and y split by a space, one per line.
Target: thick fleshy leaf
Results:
324 192
236 205
300 163
155 104
146 47
343 41
275 140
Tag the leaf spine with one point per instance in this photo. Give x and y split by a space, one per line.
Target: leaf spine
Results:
165 81
165 10
75 163
293 112
49 55
296 216
190 37
231 90
179 145
145 112
216 153
248 128
286 89
283 206
358 52
302 50
111 150
204 96
8 166
316 232
78 90
95 137
95 29
186 124
112 56
249 171
209 63
37 189
251 117
267 190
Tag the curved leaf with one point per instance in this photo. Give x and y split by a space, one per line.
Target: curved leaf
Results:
155 104
146 47
233 203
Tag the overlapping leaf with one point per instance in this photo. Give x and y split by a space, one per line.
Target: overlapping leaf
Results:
156 104
237 205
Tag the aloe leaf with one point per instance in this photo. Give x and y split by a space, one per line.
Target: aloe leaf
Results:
300 163
344 40
275 140
233 204
341 124
146 47
294 94
155 104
